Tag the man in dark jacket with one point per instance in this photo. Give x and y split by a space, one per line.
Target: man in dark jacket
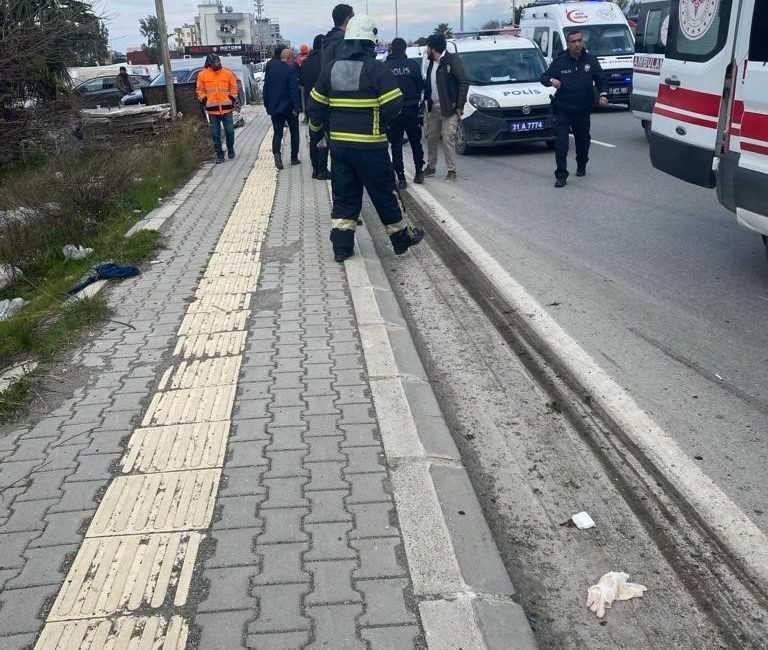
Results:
574 74
310 73
123 82
445 92
354 99
283 104
408 75
277 53
334 39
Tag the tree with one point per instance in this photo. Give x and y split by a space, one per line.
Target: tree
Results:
490 24
421 41
151 32
517 12
444 29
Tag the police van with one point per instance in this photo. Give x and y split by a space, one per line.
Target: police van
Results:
710 120
650 46
506 102
606 35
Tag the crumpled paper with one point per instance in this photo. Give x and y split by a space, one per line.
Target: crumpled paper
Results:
612 586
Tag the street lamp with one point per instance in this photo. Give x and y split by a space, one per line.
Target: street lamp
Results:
461 17
397 32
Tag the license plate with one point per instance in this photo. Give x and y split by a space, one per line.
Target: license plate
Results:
530 125
618 90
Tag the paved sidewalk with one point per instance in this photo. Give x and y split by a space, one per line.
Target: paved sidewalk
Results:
251 463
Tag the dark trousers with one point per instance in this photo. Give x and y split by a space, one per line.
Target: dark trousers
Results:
578 123
278 122
318 156
407 122
353 169
217 121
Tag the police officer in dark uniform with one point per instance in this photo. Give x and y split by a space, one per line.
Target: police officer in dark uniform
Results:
574 74
408 75
354 99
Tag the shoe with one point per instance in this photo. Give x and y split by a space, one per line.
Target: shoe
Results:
295 161
401 182
314 175
359 222
419 177
429 171
279 161
450 177
342 254
406 238
581 171
324 175
220 159
560 182
231 154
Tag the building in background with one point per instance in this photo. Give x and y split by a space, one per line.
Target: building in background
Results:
186 36
218 24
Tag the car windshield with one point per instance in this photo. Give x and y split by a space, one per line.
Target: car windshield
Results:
493 67
605 40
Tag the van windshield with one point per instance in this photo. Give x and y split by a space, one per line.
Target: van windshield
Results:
503 66
605 40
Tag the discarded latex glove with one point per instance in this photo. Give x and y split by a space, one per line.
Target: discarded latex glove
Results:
612 586
9 307
72 252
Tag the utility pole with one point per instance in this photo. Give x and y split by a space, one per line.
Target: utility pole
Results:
259 4
397 31
161 27
461 17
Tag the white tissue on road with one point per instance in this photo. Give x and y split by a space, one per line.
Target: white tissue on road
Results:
583 521
72 252
612 586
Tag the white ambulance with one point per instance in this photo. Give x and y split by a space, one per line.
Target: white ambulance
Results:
710 121
506 101
606 35
650 46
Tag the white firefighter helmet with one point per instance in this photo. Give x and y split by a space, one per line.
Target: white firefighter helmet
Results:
361 28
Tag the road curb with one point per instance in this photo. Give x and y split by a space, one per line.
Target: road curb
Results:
464 592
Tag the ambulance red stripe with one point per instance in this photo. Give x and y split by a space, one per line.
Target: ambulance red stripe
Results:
689 100
755 126
698 121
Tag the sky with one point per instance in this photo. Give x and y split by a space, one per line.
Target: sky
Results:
300 20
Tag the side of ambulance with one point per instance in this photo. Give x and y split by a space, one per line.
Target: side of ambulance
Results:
710 120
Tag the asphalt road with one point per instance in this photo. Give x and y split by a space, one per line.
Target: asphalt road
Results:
651 275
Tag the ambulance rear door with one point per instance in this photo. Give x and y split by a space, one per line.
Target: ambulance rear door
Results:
687 116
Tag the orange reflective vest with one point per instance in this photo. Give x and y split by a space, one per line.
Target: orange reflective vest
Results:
219 88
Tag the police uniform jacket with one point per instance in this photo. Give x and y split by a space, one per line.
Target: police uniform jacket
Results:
355 98
408 75
578 78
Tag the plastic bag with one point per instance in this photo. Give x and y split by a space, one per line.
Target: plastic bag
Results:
612 586
9 307
72 252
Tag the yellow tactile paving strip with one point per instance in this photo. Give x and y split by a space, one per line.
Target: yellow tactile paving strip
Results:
134 569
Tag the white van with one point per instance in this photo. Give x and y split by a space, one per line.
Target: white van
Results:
506 101
650 47
606 35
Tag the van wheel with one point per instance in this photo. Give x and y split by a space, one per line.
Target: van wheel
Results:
647 128
550 145
462 148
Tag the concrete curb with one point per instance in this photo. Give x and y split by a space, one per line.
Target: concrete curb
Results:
459 579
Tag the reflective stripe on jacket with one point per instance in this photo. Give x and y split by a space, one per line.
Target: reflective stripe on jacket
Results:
355 98
218 88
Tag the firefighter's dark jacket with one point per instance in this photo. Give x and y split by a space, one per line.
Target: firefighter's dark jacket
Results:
355 98
577 76
408 75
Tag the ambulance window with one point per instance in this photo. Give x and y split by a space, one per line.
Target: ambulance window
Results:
541 38
698 29
652 31
557 44
758 43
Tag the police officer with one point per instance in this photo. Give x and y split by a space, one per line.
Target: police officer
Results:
408 75
573 74
354 99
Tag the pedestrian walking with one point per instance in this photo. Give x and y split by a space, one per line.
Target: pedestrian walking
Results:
445 93
277 53
217 92
408 75
281 99
356 98
334 39
310 73
123 82
575 74
303 54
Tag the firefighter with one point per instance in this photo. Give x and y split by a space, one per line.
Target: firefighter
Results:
355 98
217 92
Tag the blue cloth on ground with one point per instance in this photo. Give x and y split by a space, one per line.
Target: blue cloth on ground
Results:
105 271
